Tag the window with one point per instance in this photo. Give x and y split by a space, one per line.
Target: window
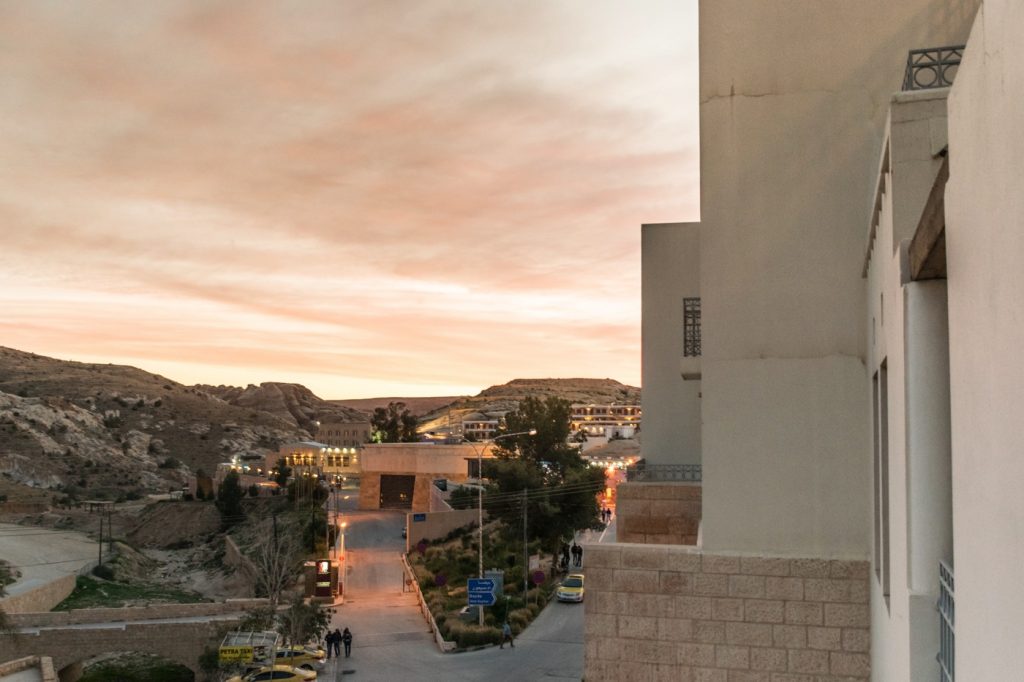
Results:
691 327
880 421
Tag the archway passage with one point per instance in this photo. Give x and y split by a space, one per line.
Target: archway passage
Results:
132 666
396 491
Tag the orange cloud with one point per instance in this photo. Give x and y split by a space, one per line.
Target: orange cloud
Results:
437 194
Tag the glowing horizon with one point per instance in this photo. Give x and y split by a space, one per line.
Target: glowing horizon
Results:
370 200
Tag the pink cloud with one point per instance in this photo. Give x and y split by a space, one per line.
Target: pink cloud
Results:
446 188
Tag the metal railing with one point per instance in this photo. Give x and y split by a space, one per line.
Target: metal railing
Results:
932 67
947 617
690 473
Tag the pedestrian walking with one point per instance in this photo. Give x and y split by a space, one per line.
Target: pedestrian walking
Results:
579 555
329 644
506 636
576 551
337 642
346 637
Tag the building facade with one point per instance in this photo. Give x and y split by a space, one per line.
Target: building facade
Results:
859 404
344 433
605 420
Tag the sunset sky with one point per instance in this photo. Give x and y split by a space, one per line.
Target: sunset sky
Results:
369 198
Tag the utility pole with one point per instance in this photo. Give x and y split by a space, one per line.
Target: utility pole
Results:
526 552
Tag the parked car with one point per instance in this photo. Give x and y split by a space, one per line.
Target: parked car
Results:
571 588
305 657
279 673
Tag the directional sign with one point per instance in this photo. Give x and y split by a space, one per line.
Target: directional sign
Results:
480 591
481 599
480 585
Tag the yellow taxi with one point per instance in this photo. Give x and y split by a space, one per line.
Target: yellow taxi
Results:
305 657
571 588
279 673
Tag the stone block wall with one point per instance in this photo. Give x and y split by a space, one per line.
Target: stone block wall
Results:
658 513
42 598
675 613
437 525
369 491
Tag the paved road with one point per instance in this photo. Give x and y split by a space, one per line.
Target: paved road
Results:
392 641
42 555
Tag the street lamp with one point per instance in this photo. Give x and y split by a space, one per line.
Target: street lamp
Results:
480 498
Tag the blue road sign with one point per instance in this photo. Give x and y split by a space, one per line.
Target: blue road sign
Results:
480 585
480 591
481 599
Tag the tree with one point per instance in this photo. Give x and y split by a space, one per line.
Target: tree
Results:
303 622
282 474
229 500
561 487
394 424
278 561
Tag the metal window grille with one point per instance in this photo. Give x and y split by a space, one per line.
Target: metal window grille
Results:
947 618
691 327
932 67
665 472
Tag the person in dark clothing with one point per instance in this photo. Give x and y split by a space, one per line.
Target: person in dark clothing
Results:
575 554
329 644
346 637
337 641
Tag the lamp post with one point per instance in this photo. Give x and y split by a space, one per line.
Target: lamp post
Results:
480 499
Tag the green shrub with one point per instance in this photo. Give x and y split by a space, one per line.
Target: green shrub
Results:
103 571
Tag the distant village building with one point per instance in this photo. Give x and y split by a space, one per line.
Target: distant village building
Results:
342 433
480 426
622 421
313 458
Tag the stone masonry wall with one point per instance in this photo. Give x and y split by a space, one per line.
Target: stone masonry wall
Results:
674 613
42 598
658 513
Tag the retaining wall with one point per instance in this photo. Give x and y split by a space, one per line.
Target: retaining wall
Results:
437 524
676 613
42 598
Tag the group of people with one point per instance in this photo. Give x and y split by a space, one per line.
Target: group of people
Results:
606 515
577 555
334 640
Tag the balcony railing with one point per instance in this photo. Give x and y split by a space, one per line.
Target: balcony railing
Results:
947 616
649 473
932 67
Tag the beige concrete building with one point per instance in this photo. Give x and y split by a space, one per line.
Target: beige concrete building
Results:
859 372
342 433
605 420
312 458
401 475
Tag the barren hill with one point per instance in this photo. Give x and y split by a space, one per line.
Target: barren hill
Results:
495 401
98 430
291 402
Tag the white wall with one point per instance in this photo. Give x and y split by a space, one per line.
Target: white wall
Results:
671 430
984 246
907 329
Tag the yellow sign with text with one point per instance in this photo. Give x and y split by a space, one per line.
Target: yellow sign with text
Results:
236 654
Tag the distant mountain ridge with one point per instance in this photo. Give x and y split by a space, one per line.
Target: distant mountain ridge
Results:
293 402
104 429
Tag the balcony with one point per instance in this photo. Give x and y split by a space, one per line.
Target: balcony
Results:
932 67
947 616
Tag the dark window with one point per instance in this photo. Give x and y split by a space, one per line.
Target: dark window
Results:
691 327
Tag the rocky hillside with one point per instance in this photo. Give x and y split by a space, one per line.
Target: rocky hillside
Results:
109 430
291 402
495 401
